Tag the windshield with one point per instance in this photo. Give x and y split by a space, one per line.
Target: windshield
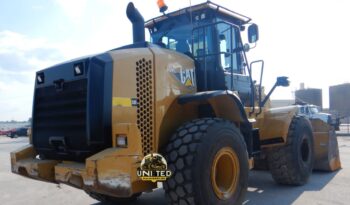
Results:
177 38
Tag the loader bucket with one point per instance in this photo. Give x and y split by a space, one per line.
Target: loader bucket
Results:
325 146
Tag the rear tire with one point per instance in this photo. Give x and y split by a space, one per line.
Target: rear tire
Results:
292 163
209 162
112 200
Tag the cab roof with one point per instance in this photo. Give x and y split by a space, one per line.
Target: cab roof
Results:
236 17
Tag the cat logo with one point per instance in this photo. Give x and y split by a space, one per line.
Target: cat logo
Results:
186 76
154 168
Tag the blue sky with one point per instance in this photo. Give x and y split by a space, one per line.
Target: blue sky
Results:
305 40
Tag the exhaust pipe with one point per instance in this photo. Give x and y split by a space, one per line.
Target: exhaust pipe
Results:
138 23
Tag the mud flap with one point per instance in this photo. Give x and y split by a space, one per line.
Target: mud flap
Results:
326 147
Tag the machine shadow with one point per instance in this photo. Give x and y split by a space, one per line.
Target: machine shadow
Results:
262 189
156 197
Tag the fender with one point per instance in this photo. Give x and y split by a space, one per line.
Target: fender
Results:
279 119
226 104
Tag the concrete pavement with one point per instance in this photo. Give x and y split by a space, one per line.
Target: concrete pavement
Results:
323 187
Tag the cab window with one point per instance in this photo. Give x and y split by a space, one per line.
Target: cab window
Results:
229 52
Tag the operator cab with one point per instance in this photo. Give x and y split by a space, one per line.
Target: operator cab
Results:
211 35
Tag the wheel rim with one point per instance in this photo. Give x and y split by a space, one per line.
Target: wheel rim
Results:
225 173
305 149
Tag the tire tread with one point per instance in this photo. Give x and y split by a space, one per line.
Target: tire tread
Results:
280 159
179 188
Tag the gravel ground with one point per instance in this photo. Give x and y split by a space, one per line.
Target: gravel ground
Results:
323 188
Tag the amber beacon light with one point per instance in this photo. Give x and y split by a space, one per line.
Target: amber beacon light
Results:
162 6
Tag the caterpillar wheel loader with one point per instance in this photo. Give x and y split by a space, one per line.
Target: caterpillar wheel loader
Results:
189 96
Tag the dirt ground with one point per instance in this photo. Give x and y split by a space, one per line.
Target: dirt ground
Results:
323 187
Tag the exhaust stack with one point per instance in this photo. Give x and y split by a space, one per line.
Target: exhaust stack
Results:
138 23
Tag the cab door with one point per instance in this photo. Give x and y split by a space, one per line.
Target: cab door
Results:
231 60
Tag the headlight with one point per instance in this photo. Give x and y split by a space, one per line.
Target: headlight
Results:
78 69
40 78
122 141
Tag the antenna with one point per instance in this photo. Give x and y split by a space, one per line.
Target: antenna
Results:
191 24
191 12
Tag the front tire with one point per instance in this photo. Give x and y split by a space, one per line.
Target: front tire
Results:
292 163
209 161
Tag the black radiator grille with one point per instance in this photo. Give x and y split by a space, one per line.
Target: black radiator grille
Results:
61 112
72 114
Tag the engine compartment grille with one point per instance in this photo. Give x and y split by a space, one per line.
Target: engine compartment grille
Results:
145 109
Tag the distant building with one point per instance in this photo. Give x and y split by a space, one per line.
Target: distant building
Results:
310 96
281 103
339 99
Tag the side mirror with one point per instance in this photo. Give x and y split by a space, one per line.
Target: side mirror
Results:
282 81
253 33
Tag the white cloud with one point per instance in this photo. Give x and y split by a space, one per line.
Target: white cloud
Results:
38 7
75 9
20 57
36 52
15 42
15 100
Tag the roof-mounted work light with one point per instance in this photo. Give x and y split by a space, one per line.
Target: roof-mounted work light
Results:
162 6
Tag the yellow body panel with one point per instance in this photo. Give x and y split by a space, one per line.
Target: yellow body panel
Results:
24 162
164 64
274 123
225 108
169 114
111 172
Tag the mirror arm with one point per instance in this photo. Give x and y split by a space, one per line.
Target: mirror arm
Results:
281 81
268 95
255 44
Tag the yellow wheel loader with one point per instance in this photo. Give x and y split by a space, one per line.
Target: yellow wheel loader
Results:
185 105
